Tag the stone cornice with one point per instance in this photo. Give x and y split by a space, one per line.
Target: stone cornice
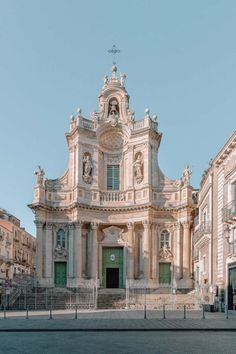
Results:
112 208
229 146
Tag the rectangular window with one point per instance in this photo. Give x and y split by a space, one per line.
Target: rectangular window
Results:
113 177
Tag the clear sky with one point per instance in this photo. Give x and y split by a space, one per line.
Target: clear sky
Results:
180 61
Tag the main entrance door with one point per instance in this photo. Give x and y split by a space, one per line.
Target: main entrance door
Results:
112 275
60 273
164 273
112 267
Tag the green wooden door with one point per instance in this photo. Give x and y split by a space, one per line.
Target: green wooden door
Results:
60 273
112 257
164 273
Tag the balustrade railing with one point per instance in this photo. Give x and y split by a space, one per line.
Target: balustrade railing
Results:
87 124
139 124
204 228
112 196
229 211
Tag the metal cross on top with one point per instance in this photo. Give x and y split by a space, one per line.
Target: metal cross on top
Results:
114 51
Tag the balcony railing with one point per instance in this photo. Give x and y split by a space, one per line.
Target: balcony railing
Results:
112 196
204 229
232 248
229 212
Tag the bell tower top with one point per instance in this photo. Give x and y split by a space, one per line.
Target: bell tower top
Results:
114 99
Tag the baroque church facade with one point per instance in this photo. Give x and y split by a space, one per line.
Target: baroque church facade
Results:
114 216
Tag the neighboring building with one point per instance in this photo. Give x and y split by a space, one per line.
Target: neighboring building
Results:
215 230
17 247
113 215
6 252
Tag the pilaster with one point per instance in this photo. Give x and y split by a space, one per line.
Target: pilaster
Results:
39 248
78 250
146 250
71 257
94 266
154 251
130 260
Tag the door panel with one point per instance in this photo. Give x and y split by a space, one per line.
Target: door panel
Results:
60 274
164 273
112 258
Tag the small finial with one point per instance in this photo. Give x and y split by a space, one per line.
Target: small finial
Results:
105 80
155 118
114 70
122 79
79 111
72 118
147 111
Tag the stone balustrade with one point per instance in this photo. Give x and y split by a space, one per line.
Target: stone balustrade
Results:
112 196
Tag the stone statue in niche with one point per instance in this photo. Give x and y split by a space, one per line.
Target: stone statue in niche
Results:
186 176
39 173
138 168
113 114
87 168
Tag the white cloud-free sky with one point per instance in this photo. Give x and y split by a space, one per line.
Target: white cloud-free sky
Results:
179 57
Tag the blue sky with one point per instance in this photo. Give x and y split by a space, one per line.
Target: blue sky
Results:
179 57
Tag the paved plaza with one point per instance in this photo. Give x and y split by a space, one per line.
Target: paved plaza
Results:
118 342
112 320
116 331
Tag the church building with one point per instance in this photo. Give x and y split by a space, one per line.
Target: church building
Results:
114 217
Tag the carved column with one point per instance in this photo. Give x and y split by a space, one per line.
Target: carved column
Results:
146 250
94 265
186 250
71 251
48 251
39 249
178 259
154 251
78 250
130 261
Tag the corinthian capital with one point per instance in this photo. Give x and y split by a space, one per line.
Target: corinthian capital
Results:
146 224
130 225
186 224
94 225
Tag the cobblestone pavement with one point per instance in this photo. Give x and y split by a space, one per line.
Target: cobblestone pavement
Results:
120 320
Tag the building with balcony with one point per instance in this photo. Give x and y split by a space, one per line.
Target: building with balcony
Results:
17 247
214 236
6 252
113 216
202 242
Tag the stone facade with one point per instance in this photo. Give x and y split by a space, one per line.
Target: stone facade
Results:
114 216
214 237
17 247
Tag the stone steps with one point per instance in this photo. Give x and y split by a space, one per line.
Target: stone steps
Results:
111 299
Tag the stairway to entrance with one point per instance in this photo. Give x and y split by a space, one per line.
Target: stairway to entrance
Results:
111 299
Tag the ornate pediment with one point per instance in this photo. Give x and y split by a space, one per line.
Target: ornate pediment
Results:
60 252
113 234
